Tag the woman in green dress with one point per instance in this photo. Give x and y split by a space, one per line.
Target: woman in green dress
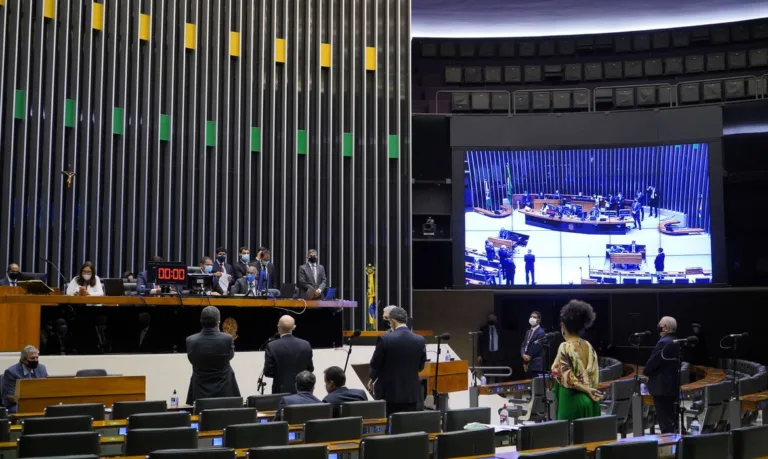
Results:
575 369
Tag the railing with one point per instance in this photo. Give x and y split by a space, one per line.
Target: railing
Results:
614 88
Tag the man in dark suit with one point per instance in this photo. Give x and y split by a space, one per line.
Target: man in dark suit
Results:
312 277
240 268
661 371
143 286
12 276
653 201
222 271
636 215
209 352
286 357
490 251
28 367
148 338
248 284
302 394
489 345
397 360
265 265
530 268
338 393
530 350
658 262
206 267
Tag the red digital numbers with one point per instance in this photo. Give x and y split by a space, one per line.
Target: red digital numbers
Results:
176 274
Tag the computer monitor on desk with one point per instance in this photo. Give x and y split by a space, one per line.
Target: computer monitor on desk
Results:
199 281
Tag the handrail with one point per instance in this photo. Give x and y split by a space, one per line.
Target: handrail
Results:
661 85
569 89
491 91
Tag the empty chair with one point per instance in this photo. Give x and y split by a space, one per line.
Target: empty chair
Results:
122 410
588 430
465 443
217 419
533 409
5 430
94 410
62 424
339 429
454 420
620 403
3 411
417 421
406 446
750 442
266 402
90 372
713 412
573 452
299 414
289 452
373 409
711 446
158 420
256 435
139 442
204 453
59 444
629 450
216 403
544 435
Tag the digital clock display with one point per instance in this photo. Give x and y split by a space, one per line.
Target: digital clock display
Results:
167 273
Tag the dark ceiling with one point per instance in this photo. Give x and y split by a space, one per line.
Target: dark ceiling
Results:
528 18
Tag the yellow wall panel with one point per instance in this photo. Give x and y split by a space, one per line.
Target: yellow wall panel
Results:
144 27
49 8
234 44
97 16
370 58
190 36
325 55
280 50
2 2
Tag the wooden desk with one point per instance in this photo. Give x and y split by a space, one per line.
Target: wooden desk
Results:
754 402
523 386
505 211
626 259
20 321
172 301
706 377
677 231
374 334
499 243
454 376
666 442
603 225
35 394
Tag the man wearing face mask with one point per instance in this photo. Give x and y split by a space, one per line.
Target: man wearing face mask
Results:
530 350
206 266
312 277
489 345
12 277
222 270
240 268
28 367
247 285
661 371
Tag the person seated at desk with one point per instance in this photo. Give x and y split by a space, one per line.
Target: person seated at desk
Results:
12 277
27 368
143 286
505 234
86 283
338 393
305 386
594 214
527 200
206 266
247 285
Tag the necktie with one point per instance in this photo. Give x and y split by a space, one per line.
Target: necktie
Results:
493 343
314 273
253 288
527 339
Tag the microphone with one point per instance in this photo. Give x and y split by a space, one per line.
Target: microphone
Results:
739 335
645 333
64 279
356 334
547 336
443 337
478 333
271 338
690 340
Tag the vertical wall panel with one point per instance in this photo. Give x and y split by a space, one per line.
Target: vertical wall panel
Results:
192 124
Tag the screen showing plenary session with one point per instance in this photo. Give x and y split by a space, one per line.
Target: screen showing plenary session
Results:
625 215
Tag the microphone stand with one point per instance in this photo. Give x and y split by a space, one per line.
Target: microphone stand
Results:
545 344
679 402
64 279
260 385
435 393
349 351
473 338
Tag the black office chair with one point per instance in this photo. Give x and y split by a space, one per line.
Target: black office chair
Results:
139 442
417 421
454 420
94 410
620 403
60 444
543 435
218 419
3 410
158 420
266 402
256 435
123 410
339 429
711 446
289 452
628 450
750 442
216 403
299 414
5 430
374 409
63 424
573 452
203 453
465 443
90 373
404 446
588 430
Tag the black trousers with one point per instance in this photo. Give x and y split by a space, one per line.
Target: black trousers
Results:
393 408
637 221
654 205
665 413
531 272
510 277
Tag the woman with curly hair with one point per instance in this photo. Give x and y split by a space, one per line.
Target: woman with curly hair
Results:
575 368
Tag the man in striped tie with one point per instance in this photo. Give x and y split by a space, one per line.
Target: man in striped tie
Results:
489 352
530 350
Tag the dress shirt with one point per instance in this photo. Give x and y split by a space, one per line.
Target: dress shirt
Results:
74 288
493 338
528 337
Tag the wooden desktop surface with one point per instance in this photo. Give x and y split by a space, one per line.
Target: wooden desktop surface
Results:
453 376
626 258
374 334
608 220
754 402
524 385
706 376
202 301
19 321
35 394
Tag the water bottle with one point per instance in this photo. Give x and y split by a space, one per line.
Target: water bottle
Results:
447 356
504 416
483 380
643 389
174 400
695 428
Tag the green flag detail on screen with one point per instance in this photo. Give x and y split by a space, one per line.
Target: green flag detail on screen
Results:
509 184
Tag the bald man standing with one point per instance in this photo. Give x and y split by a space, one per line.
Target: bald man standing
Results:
286 357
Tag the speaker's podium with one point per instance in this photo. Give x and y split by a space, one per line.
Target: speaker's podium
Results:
33 395
453 377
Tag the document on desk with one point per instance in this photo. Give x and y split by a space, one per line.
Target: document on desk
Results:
496 427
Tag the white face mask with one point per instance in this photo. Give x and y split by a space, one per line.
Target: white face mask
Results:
533 321
86 277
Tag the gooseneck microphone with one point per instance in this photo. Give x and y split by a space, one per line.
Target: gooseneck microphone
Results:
739 335
443 337
63 279
356 334
644 333
692 340
547 336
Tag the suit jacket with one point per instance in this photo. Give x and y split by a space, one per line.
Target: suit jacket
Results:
284 358
662 372
272 281
397 360
307 282
13 373
653 198
301 398
533 350
658 262
484 342
143 286
209 352
241 286
342 395
239 269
